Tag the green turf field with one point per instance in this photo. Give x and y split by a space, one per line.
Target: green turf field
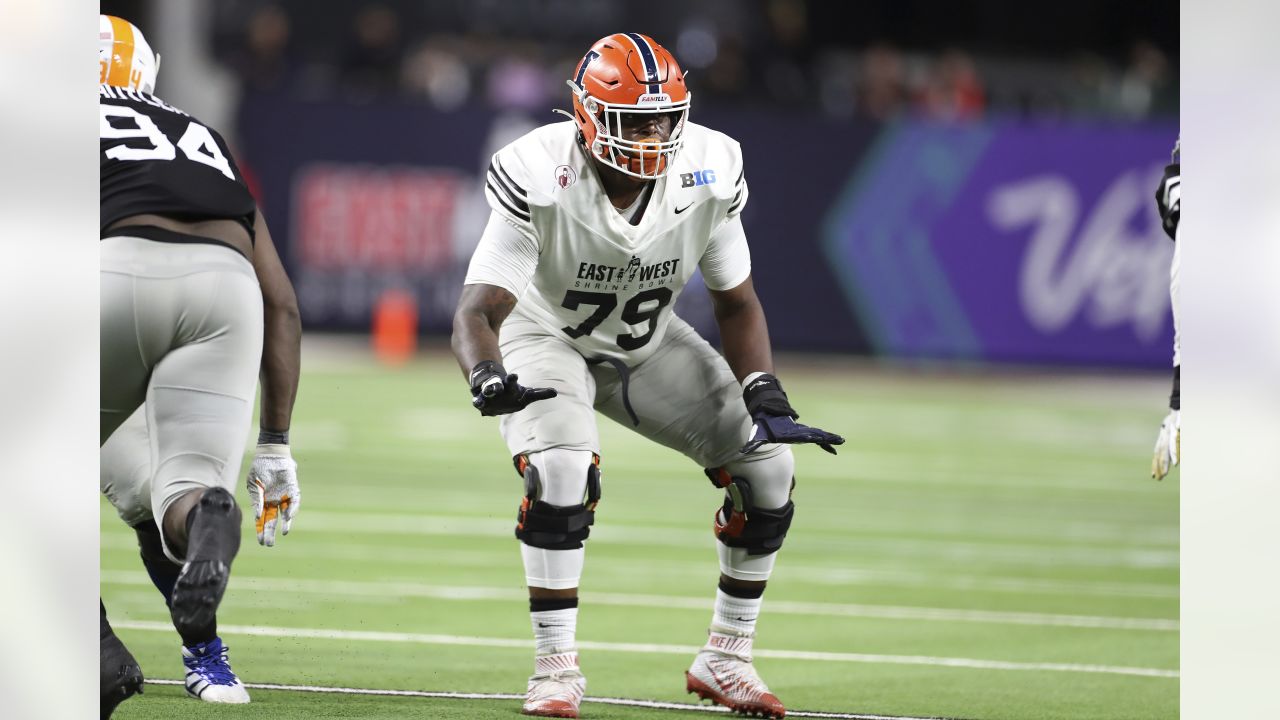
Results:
984 548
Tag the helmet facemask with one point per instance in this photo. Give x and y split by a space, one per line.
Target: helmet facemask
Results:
645 158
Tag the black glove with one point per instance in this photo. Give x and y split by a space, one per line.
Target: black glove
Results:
494 392
1169 196
774 420
765 394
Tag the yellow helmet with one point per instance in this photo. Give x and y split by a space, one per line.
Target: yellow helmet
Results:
124 57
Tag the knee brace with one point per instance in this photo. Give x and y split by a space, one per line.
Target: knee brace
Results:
739 523
555 527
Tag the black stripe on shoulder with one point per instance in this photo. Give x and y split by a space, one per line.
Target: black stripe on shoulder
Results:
736 203
521 192
496 184
502 199
741 173
496 180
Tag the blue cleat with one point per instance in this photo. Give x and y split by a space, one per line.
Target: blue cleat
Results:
209 675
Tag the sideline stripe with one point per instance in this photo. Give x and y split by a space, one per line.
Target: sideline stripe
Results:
628 702
653 648
783 607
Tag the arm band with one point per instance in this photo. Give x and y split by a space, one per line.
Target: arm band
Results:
1175 401
271 437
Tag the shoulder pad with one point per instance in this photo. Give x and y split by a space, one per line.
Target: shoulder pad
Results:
521 175
705 149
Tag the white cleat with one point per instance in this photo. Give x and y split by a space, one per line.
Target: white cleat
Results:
556 687
209 675
722 673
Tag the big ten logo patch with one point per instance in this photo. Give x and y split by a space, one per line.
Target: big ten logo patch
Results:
697 177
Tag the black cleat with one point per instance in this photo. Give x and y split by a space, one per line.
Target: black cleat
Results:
120 675
198 592
212 543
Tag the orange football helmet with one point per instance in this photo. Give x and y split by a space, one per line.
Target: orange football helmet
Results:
125 58
629 73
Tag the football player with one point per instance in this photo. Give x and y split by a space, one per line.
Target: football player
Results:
597 224
1169 201
194 305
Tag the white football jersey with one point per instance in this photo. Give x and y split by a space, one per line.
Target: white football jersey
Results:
580 269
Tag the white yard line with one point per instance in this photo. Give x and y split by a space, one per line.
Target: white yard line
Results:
652 648
382 590
626 702
935 549
832 576
875 577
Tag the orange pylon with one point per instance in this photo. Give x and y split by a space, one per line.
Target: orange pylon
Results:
395 327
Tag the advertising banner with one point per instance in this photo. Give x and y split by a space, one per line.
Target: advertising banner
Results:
994 241
1009 242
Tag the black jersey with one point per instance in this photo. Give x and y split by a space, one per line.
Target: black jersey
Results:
158 159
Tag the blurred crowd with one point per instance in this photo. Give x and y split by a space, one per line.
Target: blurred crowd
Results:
517 55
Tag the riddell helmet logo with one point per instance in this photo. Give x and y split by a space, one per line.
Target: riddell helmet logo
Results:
653 98
565 176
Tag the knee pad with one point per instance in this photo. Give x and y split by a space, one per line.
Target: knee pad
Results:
555 527
739 523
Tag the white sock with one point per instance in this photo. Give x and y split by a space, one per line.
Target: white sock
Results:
554 630
735 615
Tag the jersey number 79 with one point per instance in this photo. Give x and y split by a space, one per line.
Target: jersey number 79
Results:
632 313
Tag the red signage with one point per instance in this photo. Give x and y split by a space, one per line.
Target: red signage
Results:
369 217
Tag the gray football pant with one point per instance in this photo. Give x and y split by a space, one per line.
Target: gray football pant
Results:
181 331
684 395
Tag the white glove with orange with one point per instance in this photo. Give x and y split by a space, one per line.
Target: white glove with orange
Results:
1168 445
273 488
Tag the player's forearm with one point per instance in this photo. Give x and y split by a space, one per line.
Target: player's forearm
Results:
744 338
481 310
281 365
474 340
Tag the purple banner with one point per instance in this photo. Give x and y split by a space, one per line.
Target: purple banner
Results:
1009 242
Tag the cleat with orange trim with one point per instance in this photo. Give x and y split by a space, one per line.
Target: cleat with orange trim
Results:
728 678
556 687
